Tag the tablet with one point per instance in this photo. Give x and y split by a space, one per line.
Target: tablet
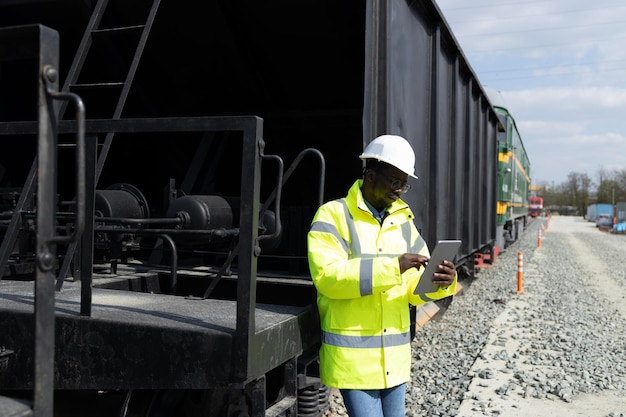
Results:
445 250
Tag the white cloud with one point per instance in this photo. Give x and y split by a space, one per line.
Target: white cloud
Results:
560 67
570 103
555 128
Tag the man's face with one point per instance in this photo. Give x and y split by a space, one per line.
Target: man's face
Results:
387 187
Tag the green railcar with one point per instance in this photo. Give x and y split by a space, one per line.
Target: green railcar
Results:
513 176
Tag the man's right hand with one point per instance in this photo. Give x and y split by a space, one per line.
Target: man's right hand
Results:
412 260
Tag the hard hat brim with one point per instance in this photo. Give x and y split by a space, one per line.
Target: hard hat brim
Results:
368 156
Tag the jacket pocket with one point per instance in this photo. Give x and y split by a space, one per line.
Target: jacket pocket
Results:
360 314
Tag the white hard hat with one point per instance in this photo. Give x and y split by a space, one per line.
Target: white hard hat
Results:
394 150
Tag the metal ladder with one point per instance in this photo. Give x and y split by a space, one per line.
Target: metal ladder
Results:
101 35
102 32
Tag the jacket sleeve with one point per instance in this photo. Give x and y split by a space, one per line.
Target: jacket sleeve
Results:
417 299
335 273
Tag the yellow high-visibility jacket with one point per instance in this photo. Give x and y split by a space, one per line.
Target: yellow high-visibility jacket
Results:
362 297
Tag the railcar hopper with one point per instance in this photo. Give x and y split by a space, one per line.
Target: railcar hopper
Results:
145 340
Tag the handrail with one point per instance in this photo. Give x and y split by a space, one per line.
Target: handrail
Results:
50 75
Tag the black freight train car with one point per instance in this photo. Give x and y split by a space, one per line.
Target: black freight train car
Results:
188 292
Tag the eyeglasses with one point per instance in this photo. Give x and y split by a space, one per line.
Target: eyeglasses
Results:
397 184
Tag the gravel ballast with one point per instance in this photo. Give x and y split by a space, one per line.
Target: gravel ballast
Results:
557 349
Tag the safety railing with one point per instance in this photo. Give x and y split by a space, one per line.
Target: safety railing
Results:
42 43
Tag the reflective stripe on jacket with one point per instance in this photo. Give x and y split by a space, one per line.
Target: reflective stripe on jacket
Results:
362 297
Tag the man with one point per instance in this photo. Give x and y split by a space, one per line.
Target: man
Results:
366 257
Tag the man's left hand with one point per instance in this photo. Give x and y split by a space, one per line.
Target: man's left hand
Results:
445 274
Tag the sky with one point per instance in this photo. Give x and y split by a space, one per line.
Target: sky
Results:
560 66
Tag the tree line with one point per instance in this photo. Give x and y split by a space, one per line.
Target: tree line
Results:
579 191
